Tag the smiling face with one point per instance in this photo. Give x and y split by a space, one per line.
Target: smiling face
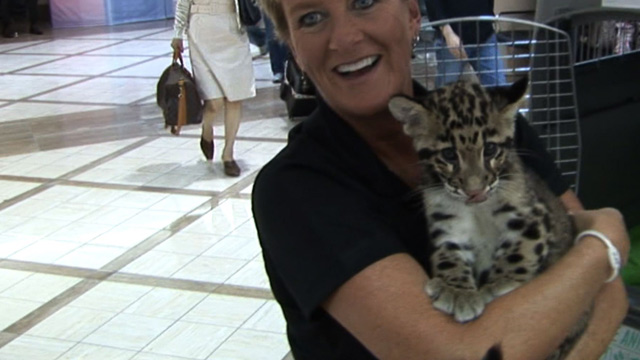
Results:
357 52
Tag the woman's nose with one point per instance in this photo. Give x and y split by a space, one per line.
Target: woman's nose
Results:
345 32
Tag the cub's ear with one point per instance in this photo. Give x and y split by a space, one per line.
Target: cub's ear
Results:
405 109
508 98
417 120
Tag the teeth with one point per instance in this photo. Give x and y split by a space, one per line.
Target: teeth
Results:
347 68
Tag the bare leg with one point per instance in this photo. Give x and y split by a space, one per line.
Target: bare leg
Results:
211 108
233 114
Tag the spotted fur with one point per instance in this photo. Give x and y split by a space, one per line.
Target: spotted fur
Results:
492 223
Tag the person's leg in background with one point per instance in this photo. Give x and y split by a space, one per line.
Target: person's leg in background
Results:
5 20
232 116
32 8
212 107
258 37
278 51
489 64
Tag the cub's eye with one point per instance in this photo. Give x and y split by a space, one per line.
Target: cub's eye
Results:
363 4
490 149
310 19
449 154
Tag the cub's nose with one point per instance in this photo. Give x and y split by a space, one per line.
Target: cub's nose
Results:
476 196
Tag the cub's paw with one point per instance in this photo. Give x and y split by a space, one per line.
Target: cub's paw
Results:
465 305
498 288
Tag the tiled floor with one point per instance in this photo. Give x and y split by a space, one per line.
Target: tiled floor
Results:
117 239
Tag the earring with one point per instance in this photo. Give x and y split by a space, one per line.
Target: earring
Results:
415 41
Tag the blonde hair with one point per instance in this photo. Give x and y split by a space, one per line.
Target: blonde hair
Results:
274 10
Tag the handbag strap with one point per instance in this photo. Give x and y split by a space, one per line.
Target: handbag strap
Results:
177 57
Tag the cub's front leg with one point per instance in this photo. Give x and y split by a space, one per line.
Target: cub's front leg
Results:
519 258
453 288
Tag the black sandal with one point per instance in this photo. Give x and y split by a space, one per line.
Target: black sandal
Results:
207 148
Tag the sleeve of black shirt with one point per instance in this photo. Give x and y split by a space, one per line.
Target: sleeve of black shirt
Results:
535 156
316 233
435 10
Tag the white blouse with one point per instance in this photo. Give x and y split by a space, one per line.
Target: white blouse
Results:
181 20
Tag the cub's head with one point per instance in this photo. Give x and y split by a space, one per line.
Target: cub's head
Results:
463 133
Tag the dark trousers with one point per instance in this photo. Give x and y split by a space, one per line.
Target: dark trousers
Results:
278 51
32 8
5 11
5 15
256 35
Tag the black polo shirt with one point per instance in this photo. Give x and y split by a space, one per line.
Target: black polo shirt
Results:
470 32
326 208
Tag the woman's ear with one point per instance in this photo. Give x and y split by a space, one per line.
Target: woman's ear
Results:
415 17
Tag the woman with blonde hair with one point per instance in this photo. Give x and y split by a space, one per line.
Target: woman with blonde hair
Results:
221 60
344 240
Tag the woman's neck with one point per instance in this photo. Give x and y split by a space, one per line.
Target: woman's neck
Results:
394 148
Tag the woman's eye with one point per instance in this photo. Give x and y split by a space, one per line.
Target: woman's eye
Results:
449 154
363 4
310 19
490 149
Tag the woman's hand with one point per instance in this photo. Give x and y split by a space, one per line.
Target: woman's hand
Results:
608 221
177 45
453 42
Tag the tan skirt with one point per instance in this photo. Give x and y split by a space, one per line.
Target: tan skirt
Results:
220 56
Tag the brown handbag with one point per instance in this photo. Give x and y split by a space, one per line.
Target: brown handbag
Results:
177 96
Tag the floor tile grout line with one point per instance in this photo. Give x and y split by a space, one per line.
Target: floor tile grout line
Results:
52 102
27 322
39 42
6 338
109 270
109 186
64 56
141 101
113 106
180 318
56 181
53 269
52 39
88 77
103 160
48 74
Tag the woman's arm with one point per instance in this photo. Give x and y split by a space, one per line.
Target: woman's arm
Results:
181 20
609 311
610 308
386 308
454 44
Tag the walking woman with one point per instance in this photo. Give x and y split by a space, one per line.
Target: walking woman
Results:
221 59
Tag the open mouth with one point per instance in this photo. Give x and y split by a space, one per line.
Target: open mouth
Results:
359 67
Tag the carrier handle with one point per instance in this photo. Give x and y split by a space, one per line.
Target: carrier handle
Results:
177 58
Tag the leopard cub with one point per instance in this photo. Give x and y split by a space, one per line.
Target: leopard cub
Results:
493 224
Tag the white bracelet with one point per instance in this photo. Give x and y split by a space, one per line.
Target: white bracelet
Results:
614 254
